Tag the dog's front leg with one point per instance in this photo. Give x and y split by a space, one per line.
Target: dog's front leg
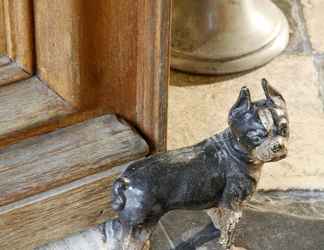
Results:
225 220
123 237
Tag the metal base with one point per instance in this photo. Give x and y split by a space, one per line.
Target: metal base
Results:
236 37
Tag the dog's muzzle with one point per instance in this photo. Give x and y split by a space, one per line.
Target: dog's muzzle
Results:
271 149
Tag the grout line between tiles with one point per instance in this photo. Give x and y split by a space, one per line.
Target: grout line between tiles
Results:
166 235
298 14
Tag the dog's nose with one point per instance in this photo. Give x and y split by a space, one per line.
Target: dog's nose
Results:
276 148
280 145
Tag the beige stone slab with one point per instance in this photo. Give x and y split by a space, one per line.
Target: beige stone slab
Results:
313 11
198 111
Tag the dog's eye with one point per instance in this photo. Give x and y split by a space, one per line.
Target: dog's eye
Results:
283 131
256 140
283 128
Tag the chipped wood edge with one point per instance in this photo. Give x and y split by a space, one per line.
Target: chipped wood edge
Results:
69 118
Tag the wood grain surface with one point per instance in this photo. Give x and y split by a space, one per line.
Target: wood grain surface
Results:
4 60
19 32
26 105
57 213
41 163
95 58
3 38
12 73
153 69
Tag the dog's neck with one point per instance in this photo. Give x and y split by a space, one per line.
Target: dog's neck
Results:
239 154
233 148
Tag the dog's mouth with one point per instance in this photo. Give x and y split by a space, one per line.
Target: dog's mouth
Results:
282 157
279 157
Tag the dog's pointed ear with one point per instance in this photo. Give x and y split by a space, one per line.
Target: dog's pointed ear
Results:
272 94
243 103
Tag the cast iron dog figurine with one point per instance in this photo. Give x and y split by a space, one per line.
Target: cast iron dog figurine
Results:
218 174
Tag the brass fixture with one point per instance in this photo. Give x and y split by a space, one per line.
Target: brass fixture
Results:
226 36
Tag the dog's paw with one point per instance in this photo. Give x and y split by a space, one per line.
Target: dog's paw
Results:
113 234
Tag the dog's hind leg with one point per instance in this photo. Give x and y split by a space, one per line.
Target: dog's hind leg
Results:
225 220
123 237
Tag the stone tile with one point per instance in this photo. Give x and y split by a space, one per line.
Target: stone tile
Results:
190 230
298 203
160 240
272 220
198 110
272 231
298 41
319 64
313 11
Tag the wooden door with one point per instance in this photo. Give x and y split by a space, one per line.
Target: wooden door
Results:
70 72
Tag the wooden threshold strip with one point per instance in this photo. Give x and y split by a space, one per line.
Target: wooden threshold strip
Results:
60 183
28 105
11 73
38 164
30 108
57 213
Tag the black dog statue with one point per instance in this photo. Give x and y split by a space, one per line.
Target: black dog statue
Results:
218 174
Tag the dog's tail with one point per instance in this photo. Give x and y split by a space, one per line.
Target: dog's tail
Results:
118 195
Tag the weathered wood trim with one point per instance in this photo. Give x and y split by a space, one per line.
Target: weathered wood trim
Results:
19 32
10 73
44 162
122 68
153 67
28 108
16 40
134 82
3 38
52 215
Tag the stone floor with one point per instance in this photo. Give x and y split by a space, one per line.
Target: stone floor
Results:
272 221
198 106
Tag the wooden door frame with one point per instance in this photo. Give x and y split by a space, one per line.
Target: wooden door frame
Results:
16 40
154 69
19 39
136 87
120 62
